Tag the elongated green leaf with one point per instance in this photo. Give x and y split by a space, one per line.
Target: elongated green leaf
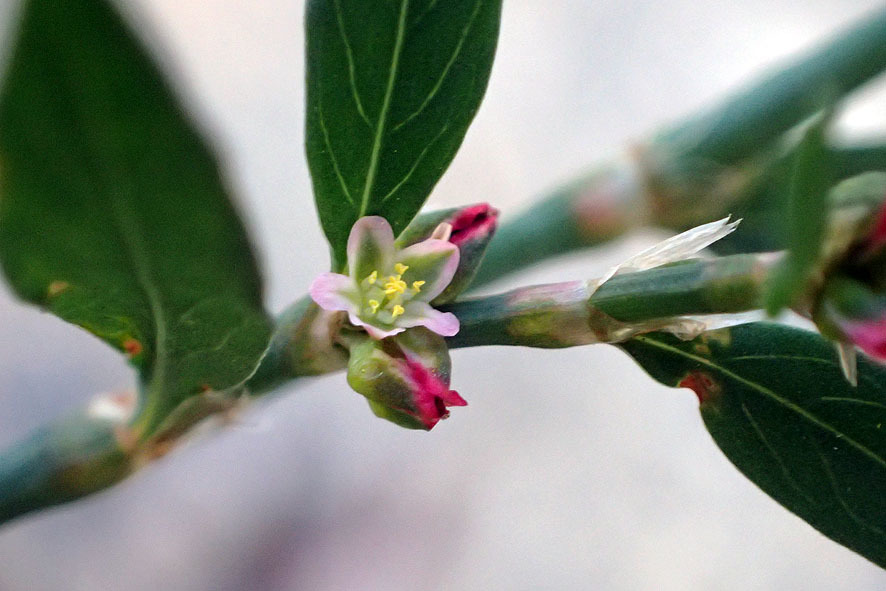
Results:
807 214
392 87
113 215
776 403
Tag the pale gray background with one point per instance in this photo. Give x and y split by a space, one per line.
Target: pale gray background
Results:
569 469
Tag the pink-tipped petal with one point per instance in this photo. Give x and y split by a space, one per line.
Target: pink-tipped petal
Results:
374 331
332 291
422 314
431 395
453 398
433 261
370 246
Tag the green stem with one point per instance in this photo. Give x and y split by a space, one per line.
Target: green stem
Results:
568 314
61 462
754 118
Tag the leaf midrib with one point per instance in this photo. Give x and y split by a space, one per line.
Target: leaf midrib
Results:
127 229
375 155
770 394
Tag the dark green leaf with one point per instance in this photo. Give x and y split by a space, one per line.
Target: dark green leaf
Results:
805 219
392 89
113 214
776 403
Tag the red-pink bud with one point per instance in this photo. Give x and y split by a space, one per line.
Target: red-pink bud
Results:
474 223
851 312
869 336
405 378
472 228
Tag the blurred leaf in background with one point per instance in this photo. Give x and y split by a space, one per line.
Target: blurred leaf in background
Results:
114 215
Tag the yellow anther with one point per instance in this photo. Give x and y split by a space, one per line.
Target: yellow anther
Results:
395 285
397 311
416 285
372 278
373 306
400 268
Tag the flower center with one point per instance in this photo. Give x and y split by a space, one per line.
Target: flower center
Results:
385 297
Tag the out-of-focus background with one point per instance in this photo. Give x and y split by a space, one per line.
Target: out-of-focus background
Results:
569 470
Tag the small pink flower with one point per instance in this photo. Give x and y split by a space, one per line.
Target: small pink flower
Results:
387 290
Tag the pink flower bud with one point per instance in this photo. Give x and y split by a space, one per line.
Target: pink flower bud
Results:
470 229
405 378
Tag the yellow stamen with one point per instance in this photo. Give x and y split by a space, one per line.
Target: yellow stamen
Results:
372 278
395 285
373 305
416 285
400 268
397 311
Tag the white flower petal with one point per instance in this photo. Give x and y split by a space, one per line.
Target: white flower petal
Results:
333 291
422 314
432 261
370 247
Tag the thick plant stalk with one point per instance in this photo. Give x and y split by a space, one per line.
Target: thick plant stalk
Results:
95 449
573 313
68 459
551 316
745 122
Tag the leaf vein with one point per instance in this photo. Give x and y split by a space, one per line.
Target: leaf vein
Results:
835 487
436 88
331 152
127 227
425 12
349 53
375 155
770 394
417 162
771 449
853 401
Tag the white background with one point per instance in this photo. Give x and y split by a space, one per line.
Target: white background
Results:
569 469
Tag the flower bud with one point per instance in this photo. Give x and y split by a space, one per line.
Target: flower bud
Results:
405 378
849 311
472 229
850 306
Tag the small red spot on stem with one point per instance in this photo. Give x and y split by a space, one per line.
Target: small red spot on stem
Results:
132 347
702 384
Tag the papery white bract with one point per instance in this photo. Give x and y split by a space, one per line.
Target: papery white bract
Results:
387 290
